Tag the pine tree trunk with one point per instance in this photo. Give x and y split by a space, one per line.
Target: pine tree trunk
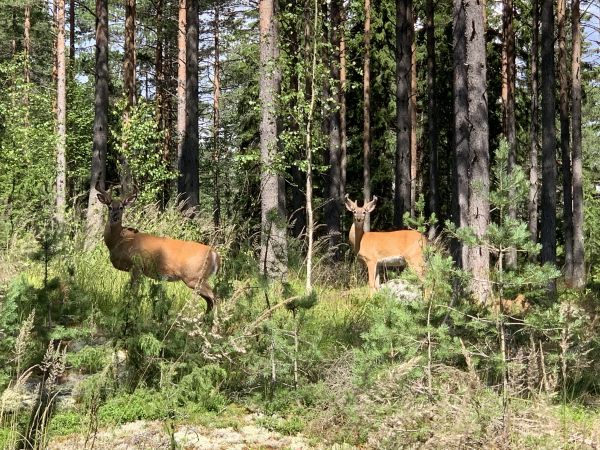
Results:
273 236
461 129
432 128
27 41
578 248
403 125
533 130
367 113
98 170
181 82
343 126
61 115
412 107
72 32
130 93
479 208
216 119
162 106
333 205
548 224
188 184
129 61
510 131
565 147
309 150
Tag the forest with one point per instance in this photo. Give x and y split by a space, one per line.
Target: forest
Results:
299 224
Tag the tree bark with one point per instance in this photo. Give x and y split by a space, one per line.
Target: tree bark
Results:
461 129
129 61
367 113
578 278
27 41
61 115
162 94
308 137
71 32
479 208
129 64
216 118
565 147
333 205
273 236
343 126
415 182
188 184
548 227
402 177
181 83
432 128
98 170
533 130
508 97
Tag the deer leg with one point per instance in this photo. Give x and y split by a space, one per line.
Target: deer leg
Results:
207 294
373 275
200 287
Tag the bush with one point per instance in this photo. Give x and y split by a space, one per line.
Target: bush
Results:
89 359
143 404
201 386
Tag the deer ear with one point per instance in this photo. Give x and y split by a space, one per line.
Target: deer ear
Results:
103 198
369 207
129 199
350 205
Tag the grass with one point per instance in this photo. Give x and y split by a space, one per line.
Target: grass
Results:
361 359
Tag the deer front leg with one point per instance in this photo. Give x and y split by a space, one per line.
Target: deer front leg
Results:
373 275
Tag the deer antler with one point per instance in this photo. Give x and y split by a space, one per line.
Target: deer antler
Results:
102 191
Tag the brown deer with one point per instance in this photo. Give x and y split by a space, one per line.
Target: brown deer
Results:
160 258
384 248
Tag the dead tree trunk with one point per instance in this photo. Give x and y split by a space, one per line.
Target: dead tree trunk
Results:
578 279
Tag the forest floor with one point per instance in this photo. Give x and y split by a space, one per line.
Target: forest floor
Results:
144 434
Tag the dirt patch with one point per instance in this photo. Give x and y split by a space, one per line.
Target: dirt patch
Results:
154 435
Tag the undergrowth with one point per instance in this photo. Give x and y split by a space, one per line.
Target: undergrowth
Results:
342 366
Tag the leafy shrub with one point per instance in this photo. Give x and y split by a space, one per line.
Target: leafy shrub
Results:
89 359
142 404
66 422
201 386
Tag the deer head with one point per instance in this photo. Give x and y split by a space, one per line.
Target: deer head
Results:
359 213
115 207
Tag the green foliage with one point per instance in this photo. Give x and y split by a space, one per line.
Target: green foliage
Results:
65 423
142 404
89 359
140 142
504 233
27 147
201 386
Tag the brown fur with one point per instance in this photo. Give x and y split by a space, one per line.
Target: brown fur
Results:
158 257
373 246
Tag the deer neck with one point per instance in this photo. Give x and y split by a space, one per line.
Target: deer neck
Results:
356 235
112 233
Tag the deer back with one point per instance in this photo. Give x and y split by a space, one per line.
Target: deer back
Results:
377 245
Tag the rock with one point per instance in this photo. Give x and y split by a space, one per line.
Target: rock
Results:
402 290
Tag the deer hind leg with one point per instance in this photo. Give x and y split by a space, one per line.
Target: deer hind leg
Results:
201 287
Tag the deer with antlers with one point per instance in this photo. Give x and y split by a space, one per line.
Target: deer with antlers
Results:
156 257
384 248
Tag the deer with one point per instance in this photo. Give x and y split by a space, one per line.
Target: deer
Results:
384 248
159 258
